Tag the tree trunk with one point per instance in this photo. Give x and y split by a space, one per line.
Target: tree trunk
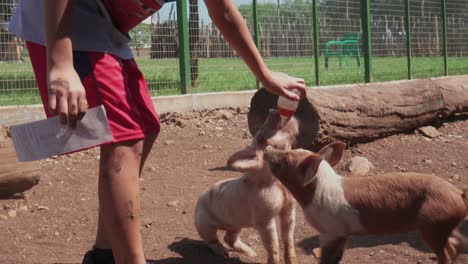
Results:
15 177
364 112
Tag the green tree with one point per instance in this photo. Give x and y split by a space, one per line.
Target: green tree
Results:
141 37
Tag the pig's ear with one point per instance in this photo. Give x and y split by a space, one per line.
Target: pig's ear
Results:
333 152
246 159
309 168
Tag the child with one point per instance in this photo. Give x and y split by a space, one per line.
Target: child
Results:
81 58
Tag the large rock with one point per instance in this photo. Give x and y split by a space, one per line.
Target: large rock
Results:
359 166
429 131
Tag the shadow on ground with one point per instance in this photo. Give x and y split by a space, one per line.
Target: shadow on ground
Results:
194 252
410 239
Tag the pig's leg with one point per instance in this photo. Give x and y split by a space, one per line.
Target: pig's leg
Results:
332 249
269 237
232 239
208 233
288 223
437 238
457 244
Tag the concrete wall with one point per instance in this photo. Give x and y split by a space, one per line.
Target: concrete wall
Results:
14 115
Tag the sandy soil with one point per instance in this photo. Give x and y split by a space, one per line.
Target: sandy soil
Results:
55 221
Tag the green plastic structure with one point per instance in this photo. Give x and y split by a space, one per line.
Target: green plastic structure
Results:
347 46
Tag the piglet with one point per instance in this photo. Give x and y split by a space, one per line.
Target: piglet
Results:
252 200
383 204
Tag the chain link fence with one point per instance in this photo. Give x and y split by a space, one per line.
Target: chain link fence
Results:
284 32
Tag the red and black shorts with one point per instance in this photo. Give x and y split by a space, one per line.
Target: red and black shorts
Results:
116 84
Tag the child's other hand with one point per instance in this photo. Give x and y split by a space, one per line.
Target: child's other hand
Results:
67 96
281 84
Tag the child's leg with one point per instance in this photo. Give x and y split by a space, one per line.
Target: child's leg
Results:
119 200
102 240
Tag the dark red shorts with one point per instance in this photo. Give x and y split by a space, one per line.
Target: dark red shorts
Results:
110 81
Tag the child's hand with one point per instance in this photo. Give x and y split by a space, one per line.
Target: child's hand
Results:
281 84
67 96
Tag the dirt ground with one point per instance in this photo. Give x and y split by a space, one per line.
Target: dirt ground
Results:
55 221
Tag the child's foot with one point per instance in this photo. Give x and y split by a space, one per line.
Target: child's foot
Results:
98 256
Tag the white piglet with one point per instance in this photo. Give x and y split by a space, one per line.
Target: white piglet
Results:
255 199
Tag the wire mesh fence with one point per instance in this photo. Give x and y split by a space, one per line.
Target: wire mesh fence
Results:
426 30
457 36
286 37
286 41
214 65
389 40
17 84
340 40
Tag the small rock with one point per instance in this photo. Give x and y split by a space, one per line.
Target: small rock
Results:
201 133
398 167
98 157
3 217
206 146
427 161
317 252
429 132
23 208
218 128
246 135
456 177
359 165
180 123
57 233
225 115
454 164
173 203
169 142
42 208
11 213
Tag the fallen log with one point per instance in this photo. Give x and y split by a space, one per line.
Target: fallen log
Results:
15 177
364 112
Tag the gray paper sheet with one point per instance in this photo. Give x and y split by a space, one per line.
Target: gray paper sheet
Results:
46 138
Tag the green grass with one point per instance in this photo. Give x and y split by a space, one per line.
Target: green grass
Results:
17 85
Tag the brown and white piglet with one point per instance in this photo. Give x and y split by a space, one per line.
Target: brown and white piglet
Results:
383 204
255 199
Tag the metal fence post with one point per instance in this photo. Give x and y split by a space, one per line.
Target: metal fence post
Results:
316 44
408 37
444 35
367 38
184 51
256 30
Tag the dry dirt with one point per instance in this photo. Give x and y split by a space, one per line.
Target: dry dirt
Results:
55 221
